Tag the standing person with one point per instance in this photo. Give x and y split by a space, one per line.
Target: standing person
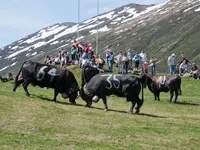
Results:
136 60
111 61
108 53
86 48
194 71
67 58
125 62
145 67
120 63
85 62
129 55
143 56
73 53
153 65
63 64
171 64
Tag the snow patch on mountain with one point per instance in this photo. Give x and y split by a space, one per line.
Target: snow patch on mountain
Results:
104 29
15 47
198 9
4 68
45 33
35 53
55 42
13 64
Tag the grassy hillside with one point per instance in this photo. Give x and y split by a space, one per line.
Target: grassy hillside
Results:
37 123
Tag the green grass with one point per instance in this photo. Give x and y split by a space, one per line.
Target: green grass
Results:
37 123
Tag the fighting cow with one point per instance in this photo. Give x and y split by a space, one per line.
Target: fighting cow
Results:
105 84
62 80
88 72
157 84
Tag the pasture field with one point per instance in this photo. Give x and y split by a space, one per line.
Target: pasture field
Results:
37 123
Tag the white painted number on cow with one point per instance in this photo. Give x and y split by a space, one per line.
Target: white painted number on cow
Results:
116 83
108 79
52 73
41 73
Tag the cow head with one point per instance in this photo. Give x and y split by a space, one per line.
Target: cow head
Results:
85 96
144 78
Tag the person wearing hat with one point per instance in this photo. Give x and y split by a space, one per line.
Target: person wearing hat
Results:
194 71
171 64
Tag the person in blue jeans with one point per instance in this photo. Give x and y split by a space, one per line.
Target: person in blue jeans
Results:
111 61
171 64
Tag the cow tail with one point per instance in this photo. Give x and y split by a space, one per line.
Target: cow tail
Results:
16 78
142 93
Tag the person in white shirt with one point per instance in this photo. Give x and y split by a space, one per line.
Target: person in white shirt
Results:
57 60
183 67
84 62
143 56
120 63
171 64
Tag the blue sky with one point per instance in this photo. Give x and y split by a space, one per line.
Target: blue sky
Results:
19 18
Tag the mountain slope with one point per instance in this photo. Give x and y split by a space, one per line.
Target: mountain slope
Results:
159 30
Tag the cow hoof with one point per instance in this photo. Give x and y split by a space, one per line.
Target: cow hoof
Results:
137 112
73 103
105 109
88 105
130 112
169 101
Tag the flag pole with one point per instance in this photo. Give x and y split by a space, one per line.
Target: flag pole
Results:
78 35
97 35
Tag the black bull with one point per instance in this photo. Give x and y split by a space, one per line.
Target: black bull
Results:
105 84
62 80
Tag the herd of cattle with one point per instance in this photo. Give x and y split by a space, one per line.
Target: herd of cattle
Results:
96 84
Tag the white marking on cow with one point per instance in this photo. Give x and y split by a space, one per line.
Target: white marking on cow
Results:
117 86
41 72
109 76
108 79
52 73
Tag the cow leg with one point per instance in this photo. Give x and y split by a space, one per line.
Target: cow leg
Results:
105 103
139 104
55 94
155 95
17 83
158 95
171 96
25 86
130 98
176 95
132 106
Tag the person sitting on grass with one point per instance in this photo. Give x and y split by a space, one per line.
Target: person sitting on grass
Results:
194 71
183 68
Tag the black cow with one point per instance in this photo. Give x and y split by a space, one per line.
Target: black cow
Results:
157 84
62 80
88 72
105 84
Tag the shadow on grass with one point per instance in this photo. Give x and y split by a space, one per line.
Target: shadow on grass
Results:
92 107
188 103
